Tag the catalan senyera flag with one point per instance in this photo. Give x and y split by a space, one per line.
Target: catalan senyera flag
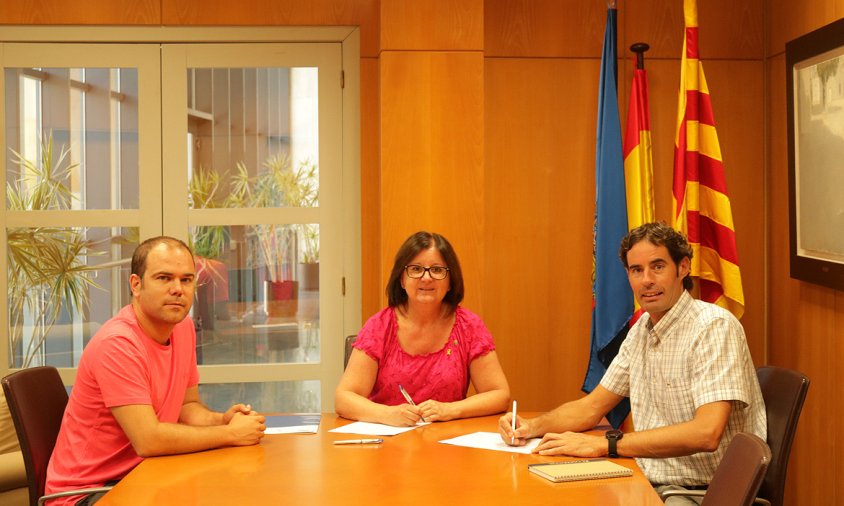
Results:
701 204
638 160
612 300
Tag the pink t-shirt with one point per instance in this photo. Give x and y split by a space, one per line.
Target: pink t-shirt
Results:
120 366
442 375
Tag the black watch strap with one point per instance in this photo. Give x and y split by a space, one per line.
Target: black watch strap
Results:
612 442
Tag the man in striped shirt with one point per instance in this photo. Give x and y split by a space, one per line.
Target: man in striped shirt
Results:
685 365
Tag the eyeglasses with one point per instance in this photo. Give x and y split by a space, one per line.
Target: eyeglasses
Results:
435 271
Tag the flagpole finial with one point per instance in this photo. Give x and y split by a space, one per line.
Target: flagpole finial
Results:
611 4
639 48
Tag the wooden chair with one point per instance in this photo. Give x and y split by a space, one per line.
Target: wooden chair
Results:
37 399
739 475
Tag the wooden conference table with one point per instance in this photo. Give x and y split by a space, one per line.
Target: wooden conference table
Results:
407 469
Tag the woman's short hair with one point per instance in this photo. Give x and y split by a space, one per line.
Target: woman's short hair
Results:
659 234
415 244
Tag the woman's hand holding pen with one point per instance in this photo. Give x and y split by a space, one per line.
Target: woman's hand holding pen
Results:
402 415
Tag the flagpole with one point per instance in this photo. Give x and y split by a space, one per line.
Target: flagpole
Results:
638 157
611 5
639 48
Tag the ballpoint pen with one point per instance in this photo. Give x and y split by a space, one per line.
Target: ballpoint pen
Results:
513 437
409 399
358 441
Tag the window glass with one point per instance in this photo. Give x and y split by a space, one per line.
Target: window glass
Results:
257 296
253 137
63 284
72 138
265 397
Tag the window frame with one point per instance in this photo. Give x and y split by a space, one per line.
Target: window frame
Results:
344 278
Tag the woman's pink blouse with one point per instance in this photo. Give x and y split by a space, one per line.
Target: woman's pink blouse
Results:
442 375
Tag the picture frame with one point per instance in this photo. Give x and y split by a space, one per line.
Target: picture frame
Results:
815 124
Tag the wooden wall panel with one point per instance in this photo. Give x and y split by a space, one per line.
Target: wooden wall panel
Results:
91 12
432 25
815 476
728 28
372 269
544 28
782 288
363 13
789 20
432 136
540 187
806 321
573 28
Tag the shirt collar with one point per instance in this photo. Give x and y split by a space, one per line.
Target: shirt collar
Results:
671 316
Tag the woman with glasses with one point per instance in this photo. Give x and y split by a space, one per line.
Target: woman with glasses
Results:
413 361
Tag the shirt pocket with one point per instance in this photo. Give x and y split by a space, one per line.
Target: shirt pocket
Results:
674 399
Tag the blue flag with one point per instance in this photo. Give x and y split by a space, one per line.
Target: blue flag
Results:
612 299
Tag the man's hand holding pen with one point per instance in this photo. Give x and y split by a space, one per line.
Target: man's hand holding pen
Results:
517 437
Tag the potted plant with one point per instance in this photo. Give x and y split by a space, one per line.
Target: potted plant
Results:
47 271
207 241
280 185
308 269
209 244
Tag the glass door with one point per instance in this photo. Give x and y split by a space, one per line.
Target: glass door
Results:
252 178
81 154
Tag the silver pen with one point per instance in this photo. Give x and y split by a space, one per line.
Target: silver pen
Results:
409 399
358 441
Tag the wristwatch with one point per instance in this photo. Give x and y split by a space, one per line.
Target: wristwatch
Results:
613 436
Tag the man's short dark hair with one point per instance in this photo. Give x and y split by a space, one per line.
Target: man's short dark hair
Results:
416 243
659 234
139 258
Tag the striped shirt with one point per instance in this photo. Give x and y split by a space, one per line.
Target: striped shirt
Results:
694 355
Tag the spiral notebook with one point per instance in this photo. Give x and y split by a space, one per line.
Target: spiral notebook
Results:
575 470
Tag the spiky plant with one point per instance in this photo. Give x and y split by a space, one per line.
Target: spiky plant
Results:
47 269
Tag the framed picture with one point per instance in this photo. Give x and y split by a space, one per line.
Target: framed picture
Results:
815 94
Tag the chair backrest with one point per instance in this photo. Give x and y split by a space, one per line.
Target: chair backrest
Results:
740 472
37 399
784 391
350 340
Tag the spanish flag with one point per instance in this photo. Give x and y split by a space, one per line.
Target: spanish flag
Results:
701 204
638 158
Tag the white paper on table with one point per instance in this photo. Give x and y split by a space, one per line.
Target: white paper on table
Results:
293 424
491 441
373 429
295 429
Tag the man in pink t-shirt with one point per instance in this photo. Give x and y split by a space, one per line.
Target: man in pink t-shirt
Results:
136 391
